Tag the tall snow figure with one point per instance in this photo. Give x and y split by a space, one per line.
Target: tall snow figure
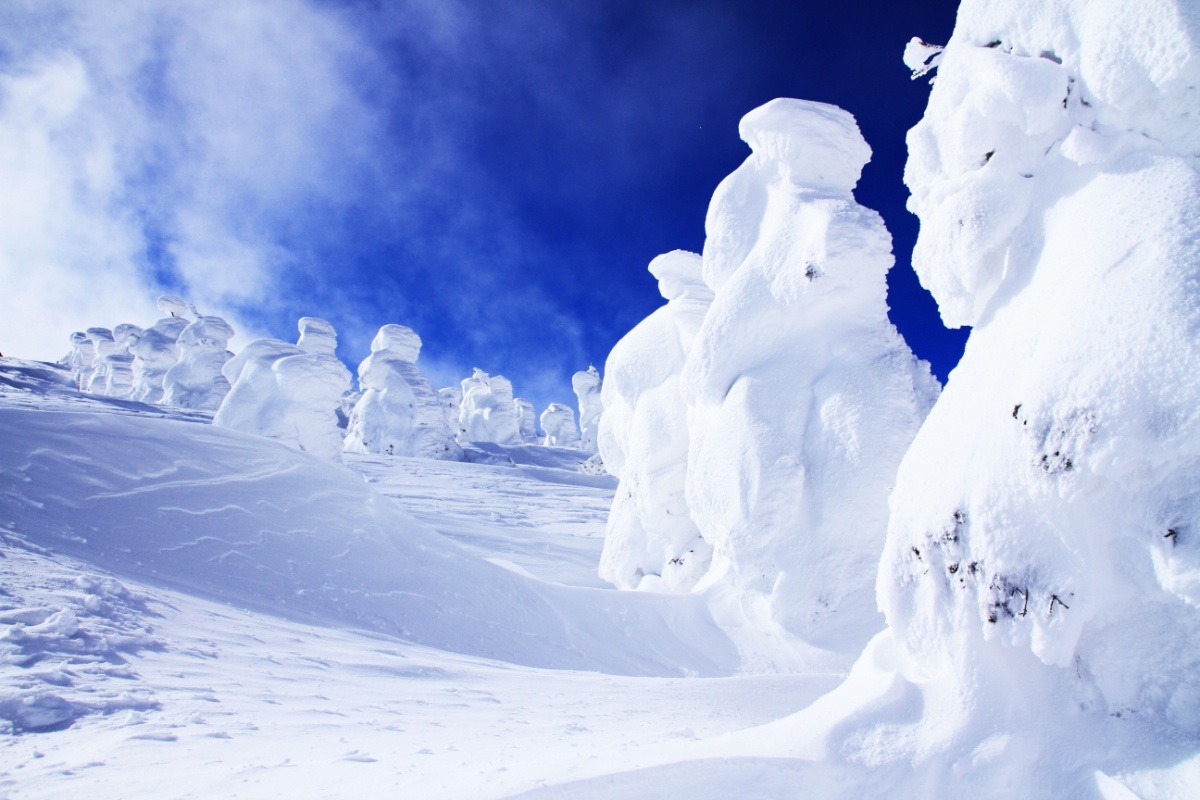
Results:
118 361
558 421
103 345
802 396
154 353
651 541
287 392
1041 577
487 413
399 413
195 380
81 359
526 416
588 393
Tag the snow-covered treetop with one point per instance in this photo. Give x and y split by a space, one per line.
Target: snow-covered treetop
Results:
174 306
679 273
400 342
819 145
316 336
208 333
1029 91
126 334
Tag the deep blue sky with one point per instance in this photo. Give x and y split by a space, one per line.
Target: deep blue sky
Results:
495 175
570 143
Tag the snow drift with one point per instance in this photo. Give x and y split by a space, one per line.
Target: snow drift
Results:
220 514
286 392
399 413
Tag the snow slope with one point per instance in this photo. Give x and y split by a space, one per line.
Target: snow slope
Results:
191 611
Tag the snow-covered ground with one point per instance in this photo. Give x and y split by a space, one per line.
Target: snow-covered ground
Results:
192 612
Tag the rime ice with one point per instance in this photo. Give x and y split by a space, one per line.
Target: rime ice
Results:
399 413
651 541
289 393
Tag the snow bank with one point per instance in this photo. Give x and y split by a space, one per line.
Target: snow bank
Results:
195 380
650 541
154 353
526 416
486 411
1041 578
558 421
802 396
286 392
587 387
399 413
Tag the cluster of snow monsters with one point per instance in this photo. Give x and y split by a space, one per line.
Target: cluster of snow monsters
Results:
300 394
1038 570
757 420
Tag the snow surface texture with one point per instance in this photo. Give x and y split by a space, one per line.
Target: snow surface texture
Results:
399 413
289 393
587 387
195 380
558 421
486 410
651 541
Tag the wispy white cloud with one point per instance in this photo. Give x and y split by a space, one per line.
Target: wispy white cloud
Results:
368 162
165 144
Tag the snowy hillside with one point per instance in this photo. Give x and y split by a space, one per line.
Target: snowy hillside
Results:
182 597
765 555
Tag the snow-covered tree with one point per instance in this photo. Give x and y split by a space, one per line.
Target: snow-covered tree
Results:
486 412
558 422
195 380
399 413
1041 578
288 392
587 387
650 541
